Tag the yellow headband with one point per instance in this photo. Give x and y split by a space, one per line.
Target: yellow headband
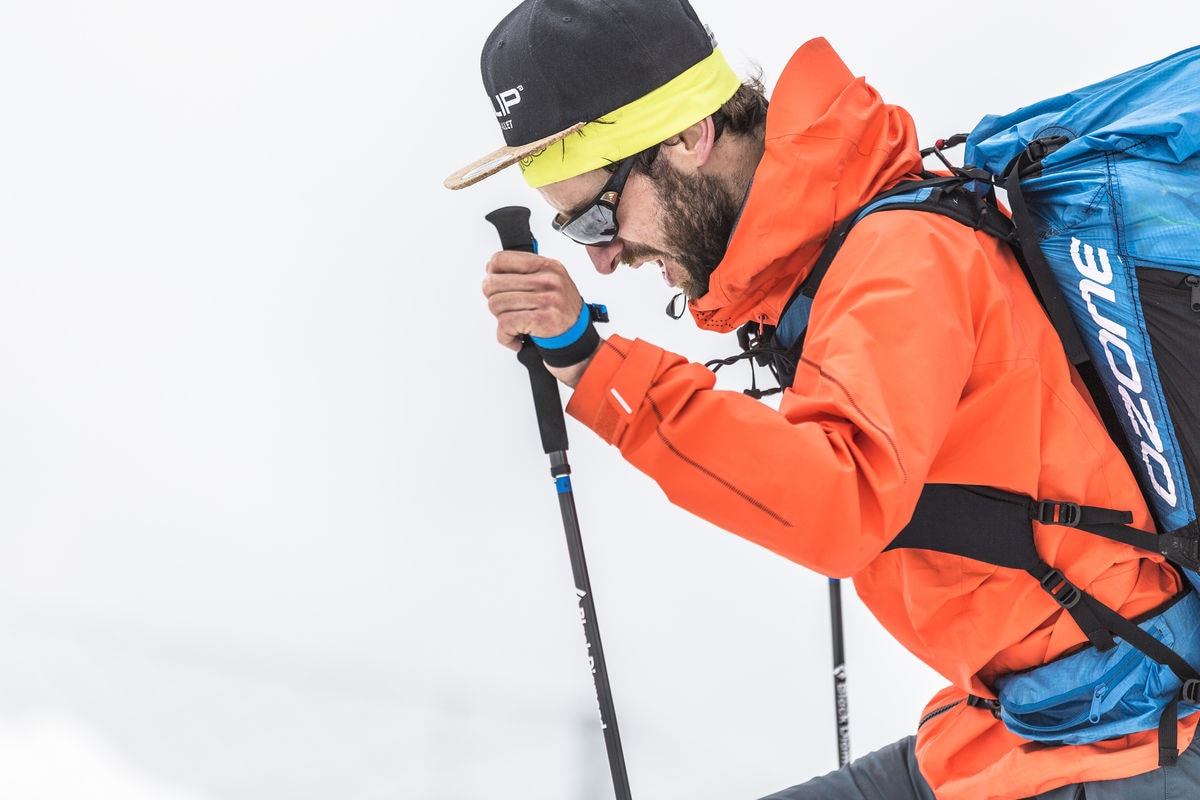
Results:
652 118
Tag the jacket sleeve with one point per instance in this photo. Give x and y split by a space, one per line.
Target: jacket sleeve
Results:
831 477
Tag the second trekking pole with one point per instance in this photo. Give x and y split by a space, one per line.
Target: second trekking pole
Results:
512 223
841 703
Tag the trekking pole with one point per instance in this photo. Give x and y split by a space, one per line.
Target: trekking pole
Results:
840 700
512 223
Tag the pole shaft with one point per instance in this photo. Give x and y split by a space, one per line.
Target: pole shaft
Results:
840 699
561 471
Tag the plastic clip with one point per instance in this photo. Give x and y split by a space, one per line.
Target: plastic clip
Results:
1053 512
1062 590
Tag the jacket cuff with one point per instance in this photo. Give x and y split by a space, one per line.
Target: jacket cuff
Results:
612 391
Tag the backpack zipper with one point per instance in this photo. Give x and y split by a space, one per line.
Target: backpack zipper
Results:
1193 282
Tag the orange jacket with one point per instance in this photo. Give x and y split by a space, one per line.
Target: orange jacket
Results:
927 360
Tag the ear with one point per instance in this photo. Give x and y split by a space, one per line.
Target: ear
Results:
691 148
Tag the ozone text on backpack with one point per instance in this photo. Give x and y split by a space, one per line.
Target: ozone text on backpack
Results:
1104 187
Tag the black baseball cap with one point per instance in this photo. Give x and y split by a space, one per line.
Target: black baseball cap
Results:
576 84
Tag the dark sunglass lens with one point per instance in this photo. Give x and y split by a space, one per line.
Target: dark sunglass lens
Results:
598 223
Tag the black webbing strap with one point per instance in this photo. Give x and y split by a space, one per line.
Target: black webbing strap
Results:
1182 545
948 196
994 526
1168 732
1030 252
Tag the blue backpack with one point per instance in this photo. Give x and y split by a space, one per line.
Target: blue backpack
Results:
1106 182
1104 189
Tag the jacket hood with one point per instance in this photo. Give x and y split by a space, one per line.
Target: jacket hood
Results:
831 145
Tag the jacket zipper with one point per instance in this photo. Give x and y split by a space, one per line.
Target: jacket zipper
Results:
937 712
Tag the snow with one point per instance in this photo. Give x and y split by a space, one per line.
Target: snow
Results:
52 756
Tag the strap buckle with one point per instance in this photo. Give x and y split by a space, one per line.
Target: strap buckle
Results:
1065 593
1190 692
1054 512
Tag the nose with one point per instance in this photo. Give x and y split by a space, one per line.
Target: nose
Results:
606 257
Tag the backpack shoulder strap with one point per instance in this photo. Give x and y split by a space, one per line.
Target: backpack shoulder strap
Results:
945 195
1029 252
779 346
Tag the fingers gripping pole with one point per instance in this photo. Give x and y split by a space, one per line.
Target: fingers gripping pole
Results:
512 223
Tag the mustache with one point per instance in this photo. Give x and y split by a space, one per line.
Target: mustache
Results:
634 255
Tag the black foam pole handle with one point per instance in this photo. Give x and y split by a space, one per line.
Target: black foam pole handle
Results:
512 223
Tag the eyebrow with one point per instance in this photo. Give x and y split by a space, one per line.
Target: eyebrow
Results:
579 209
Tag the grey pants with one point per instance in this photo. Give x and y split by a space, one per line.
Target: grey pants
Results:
890 773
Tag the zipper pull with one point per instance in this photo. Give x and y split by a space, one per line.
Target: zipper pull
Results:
1193 282
1097 697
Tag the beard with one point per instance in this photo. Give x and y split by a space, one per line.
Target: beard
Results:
698 217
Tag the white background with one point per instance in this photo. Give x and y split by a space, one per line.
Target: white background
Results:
274 517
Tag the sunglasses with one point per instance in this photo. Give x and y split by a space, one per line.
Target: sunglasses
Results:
597 224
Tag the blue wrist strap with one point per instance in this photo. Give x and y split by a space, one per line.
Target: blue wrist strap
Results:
570 336
575 344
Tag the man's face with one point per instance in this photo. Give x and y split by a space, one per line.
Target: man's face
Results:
679 221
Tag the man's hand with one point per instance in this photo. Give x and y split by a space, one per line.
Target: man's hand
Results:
530 295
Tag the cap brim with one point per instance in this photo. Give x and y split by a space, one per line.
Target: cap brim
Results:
504 157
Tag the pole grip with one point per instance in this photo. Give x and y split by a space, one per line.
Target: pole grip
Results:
512 223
